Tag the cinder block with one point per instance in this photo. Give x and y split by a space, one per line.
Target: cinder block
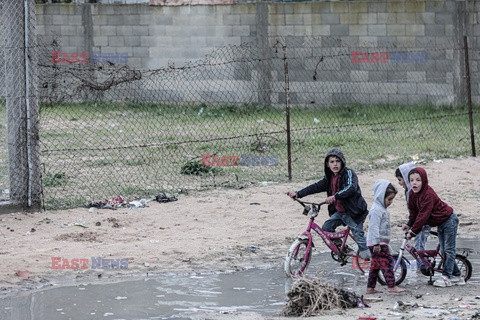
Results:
141 52
405 18
339 30
415 6
435 30
125 31
108 31
396 30
115 20
116 41
100 20
100 41
367 18
358 30
377 30
330 18
349 18
338 7
395 6
416 76
414 30
234 19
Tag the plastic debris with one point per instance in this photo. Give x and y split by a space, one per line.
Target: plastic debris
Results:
315 120
22 273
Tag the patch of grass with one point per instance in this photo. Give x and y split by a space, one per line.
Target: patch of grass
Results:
54 179
195 167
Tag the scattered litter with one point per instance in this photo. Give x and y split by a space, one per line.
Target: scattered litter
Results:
146 264
315 120
162 197
252 249
93 210
106 314
6 191
367 318
98 224
254 203
47 220
33 230
154 241
22 273
438 161
79 224
372 299
120 298
465 305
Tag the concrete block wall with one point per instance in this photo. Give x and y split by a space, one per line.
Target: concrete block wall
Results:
161 36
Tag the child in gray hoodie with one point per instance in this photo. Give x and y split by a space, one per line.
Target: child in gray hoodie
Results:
378 238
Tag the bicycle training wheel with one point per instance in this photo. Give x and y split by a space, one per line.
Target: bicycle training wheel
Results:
298 258
399 274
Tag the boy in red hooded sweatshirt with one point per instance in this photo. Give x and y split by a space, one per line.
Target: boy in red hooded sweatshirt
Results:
426 208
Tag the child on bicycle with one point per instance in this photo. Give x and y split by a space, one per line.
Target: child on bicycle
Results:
346 204
378 237
401 173
426 208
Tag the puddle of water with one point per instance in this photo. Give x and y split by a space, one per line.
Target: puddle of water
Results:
177 296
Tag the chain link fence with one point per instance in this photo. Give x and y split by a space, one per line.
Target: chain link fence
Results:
243 115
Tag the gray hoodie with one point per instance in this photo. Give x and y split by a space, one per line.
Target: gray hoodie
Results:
404 170
379 230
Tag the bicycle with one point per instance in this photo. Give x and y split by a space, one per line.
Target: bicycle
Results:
431 261
300 253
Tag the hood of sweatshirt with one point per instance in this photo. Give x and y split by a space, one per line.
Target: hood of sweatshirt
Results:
334 152
379 189
404 170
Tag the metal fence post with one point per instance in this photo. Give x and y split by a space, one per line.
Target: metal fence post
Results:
287 113
22 105
469 95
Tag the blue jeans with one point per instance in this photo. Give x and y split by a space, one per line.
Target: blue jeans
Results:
421 238
339 218
447 237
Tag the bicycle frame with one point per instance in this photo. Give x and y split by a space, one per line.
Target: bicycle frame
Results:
417 254
325 235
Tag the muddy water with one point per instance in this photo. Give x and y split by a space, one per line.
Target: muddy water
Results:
182 296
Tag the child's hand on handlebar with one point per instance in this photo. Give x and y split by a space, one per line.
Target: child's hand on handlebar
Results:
292 194
405 227
330 200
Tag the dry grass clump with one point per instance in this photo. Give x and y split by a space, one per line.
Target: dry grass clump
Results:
308 296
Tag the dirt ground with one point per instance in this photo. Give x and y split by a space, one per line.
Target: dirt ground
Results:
219 230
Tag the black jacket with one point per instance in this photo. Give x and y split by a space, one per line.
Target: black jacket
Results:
350 193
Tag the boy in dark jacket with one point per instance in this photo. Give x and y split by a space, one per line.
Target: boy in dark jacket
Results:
346 204
426 208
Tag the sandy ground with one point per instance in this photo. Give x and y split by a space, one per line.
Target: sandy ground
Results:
218 230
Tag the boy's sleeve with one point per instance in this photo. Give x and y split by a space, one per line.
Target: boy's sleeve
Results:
425 209
316 187
349 188
374 227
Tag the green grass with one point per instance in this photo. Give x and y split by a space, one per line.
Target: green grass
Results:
139 149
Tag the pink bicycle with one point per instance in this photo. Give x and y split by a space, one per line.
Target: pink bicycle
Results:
300 252
431 260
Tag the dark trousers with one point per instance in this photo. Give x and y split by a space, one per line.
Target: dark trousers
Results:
381 261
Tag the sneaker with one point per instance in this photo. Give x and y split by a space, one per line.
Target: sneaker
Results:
365 254
443 282
457 280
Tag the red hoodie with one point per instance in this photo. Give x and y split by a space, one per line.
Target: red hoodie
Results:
425 207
